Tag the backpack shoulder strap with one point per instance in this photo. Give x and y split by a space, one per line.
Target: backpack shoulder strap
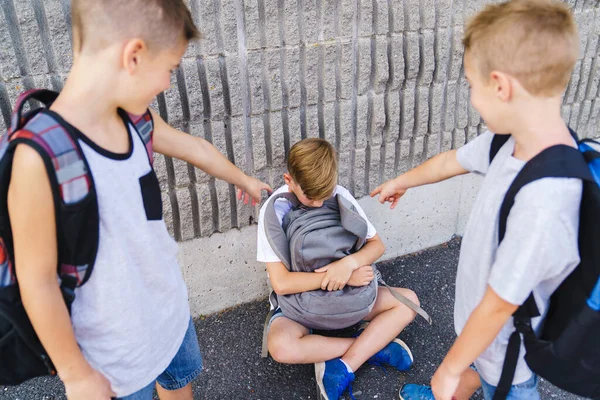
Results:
555 162
497 142
64 159
69 175
19 118
144 125
274 231
352 221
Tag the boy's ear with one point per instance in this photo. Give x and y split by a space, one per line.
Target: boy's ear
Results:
287 178
134 52
503 85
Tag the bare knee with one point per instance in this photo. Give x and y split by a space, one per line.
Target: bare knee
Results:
283 350
412 296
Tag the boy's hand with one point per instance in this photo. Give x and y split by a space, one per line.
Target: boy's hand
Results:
91 386
390 191
361 276
252 188
444 383
337 274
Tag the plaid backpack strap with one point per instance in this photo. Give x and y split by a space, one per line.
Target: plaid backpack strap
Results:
68 172
144 124
19 118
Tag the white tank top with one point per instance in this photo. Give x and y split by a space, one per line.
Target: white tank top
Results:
130 318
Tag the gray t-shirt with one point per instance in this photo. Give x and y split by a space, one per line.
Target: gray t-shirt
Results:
538 252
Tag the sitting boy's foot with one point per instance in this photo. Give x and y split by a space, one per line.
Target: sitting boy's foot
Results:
396 354
416 392
333 378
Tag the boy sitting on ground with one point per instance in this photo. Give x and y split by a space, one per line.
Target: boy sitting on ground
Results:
312 178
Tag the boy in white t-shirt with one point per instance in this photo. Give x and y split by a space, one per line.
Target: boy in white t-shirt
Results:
312 177
519 56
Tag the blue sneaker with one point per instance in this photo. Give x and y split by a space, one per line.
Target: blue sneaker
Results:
396 354
416 392
333 379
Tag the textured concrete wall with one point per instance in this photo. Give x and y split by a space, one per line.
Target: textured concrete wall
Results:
382 80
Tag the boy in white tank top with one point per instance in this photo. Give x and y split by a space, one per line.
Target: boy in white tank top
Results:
131 326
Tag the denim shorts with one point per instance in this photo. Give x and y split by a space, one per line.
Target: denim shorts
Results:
523 391
184 368
278 313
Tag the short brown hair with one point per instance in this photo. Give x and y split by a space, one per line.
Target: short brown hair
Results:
536 41
160 23
312 163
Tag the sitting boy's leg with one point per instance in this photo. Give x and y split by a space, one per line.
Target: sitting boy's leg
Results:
387 319
291 343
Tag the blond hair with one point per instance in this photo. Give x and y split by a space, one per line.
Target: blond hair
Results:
160 23
312 163
535 41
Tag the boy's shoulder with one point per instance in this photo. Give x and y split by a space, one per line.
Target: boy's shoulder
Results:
552 195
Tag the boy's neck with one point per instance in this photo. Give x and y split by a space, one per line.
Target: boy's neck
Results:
87 94
540 125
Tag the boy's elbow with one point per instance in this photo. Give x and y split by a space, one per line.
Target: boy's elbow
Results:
381 248
279 288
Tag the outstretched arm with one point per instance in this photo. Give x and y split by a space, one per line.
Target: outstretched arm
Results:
200 153
439 168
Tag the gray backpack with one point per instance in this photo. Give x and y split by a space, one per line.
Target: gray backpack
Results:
311 238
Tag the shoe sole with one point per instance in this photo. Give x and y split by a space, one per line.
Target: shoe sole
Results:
400 394
405 347
319 373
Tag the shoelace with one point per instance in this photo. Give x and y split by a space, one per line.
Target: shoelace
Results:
346 383
379 365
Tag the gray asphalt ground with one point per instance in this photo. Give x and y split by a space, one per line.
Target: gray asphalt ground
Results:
231 341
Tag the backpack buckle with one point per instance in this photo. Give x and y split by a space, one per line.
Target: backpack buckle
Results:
523 325
67 287
49 365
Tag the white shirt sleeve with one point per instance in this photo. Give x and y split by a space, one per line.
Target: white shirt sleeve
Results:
264 251
475 155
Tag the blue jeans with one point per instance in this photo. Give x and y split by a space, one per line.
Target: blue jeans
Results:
184 368
522 391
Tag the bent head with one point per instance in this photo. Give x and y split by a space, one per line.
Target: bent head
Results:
312 171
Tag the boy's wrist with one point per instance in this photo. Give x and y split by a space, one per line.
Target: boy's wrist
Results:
399 183
452 367
351 262
76 370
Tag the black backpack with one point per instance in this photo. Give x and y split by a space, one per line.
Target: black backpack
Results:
566 352
77 225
